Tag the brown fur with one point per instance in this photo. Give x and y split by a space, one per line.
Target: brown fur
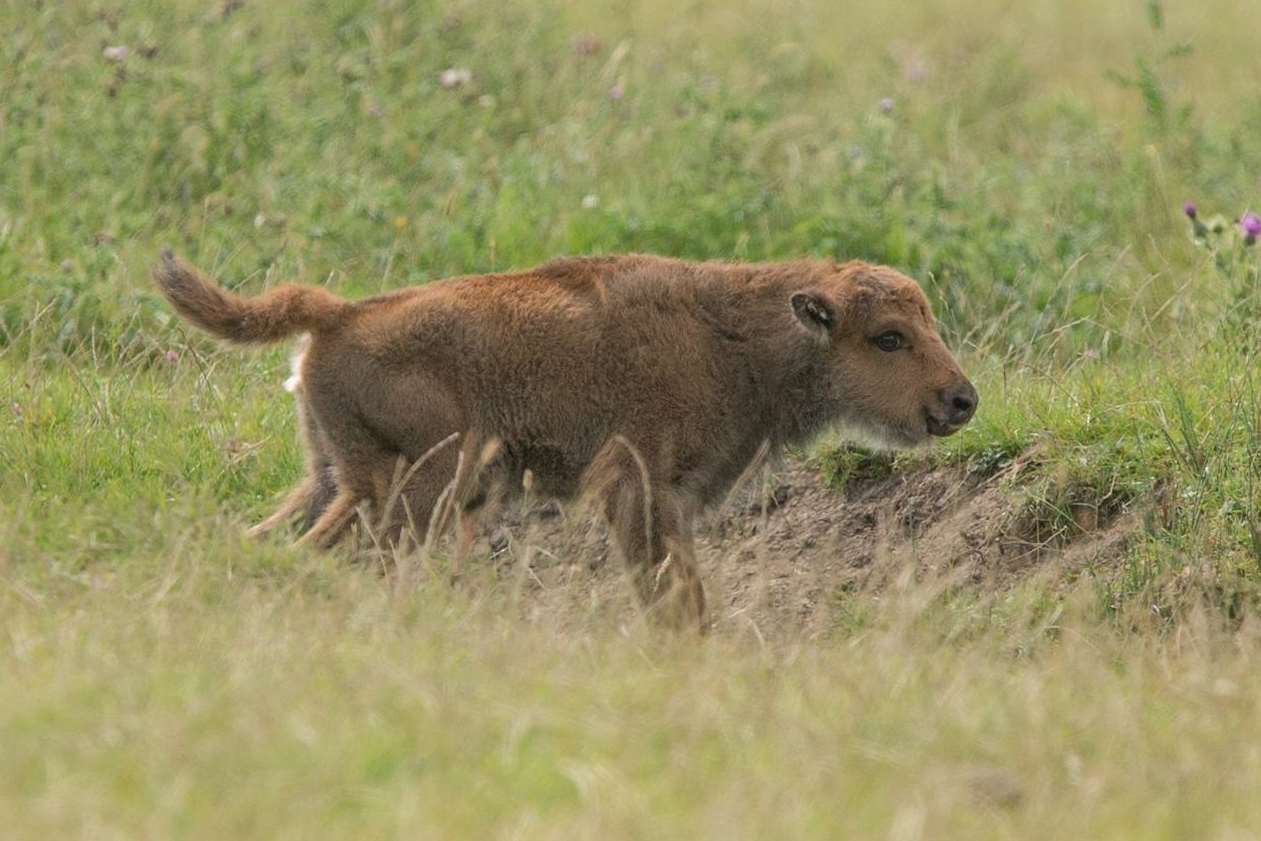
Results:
650 382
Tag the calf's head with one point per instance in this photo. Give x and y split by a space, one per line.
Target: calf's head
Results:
886 374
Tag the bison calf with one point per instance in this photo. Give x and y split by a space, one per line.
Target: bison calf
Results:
648 383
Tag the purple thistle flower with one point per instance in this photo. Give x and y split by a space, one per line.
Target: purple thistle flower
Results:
617 92
1189 209
172 357
1251 224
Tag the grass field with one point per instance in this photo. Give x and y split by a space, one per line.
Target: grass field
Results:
163 677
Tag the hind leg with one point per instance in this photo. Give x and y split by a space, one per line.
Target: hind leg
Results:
359 464
405 498
337 514
316 490
322 476
471 493
331 526
325 489
395 454
301 497
361 474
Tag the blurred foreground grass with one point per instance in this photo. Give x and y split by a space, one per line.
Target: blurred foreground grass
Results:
219 692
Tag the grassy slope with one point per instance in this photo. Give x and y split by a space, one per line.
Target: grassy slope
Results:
163 678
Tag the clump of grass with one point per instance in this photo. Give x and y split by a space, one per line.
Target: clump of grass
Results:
843 463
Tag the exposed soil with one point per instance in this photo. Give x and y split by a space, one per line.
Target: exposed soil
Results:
779 556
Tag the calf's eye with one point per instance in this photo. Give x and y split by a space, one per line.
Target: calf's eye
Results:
890 341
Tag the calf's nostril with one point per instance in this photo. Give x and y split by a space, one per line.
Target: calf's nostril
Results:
960 403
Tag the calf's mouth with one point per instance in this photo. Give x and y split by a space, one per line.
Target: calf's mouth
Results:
940 428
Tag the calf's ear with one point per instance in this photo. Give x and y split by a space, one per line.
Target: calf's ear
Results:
814 312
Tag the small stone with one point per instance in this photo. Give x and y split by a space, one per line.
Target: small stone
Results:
455 77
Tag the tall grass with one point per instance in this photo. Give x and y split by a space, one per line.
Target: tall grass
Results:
202 694
1036 198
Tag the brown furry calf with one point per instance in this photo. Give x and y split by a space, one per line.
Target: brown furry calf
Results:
651 383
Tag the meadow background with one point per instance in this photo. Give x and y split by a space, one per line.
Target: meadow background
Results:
163 677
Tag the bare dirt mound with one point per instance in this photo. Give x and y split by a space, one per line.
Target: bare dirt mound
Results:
778 558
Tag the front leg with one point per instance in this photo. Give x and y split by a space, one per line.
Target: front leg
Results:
652 529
